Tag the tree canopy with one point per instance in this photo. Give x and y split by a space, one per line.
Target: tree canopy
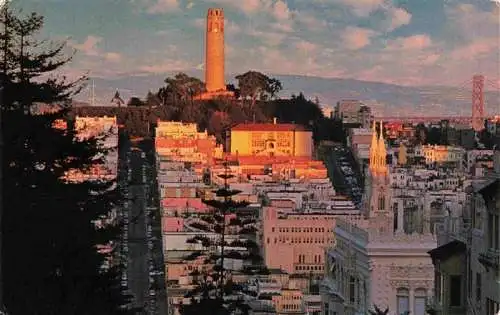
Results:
255 85
50 264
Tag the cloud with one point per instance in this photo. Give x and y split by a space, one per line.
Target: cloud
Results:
356 38
245 6
310 21
362 7
89 45
269 38
299 37
231 27
113 56
281 11
306 46
414 42
163 6
90 50
476 49
167 65
398 17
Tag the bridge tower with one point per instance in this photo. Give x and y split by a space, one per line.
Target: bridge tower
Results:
478 102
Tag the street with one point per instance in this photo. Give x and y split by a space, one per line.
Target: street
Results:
142 244
137 271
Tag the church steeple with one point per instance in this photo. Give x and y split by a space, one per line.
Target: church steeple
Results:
381 152
378 151
373 149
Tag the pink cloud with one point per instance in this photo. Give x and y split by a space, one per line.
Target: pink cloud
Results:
356 38
475 49
281 11
167 65
89 46
113 56
415 42
306 46
362 7
398 17
164 6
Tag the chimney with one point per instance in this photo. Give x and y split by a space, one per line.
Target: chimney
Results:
274 120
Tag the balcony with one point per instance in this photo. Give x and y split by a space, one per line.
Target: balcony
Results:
490 259
330 287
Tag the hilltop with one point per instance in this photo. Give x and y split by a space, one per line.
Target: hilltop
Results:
385 99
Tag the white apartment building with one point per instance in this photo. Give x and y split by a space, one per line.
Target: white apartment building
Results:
440 154
467 263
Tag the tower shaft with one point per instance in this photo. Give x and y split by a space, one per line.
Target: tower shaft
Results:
478 102
214 50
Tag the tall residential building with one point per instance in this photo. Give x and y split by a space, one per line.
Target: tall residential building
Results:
296 242
374 260
353 112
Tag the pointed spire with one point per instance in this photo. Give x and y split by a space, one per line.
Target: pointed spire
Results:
382 151
373 148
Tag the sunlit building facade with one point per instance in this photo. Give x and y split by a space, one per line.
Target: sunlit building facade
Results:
271 140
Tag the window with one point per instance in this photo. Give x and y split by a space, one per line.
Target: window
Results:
478 287
492 307
493 231
455 291
352 289
420 302
403 300
327 309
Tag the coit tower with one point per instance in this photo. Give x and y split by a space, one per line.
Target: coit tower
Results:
214 51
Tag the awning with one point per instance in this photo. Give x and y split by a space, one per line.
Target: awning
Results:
447 250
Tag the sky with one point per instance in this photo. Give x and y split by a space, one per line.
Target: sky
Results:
407 42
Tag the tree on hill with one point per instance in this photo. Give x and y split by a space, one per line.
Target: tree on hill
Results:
152 100
181 88
50 264
255 86
135 102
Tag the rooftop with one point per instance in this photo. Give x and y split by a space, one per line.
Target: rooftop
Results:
269 127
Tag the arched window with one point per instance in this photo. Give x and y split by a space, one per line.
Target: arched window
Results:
403 299
381 203
420 302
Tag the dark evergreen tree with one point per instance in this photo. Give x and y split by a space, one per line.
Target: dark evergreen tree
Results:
378 311
49 256
208 298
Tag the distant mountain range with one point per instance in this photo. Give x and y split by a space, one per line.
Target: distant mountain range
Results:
385 99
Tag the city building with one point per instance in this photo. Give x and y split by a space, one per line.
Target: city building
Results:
296 243
181 142
441 154
353 112
271 140
467 259
105 130
375 260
